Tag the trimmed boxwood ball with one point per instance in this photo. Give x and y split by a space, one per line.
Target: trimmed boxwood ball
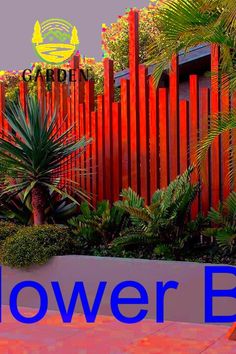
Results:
7 229
36 244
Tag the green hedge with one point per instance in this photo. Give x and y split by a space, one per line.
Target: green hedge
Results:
36 244
7 229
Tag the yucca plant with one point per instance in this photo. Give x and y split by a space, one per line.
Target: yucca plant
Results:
161 225
36 157
224 221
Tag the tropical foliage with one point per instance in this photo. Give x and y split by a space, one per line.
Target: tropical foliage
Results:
99 226
115 38
35 153
224 221
186 23
161 226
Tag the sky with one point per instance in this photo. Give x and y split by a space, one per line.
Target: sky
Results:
19 16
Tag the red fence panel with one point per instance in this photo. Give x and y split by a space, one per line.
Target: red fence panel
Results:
149 137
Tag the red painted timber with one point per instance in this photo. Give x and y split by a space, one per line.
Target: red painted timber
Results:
215 148
134 105
163 137
225 144
55 99
94 157
69 162
143 133
49 103
89 107
204 125
2 108
83 177
233 107
100 147
154 176
174 117
116 151
125 128
41 93
23 94
193 133
183 135
108 99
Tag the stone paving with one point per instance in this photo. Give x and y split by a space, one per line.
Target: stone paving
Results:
107 336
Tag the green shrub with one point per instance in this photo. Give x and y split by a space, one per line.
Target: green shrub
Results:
36 244
7 229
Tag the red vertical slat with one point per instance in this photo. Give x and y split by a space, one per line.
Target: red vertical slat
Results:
134 106
116 161
100 147
41 93
55 101
173 117
69 162
215 148
143 133
3 121
125 132
108 99
163 137
49 103
23 94
73 130
204 125
2 108
82 157
183 135
193 133
89 107
94 157
154 176
233 107
225 141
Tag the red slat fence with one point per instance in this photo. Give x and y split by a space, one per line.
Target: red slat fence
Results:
145 140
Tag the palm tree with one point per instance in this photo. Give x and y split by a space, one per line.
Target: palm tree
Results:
36 156
187 23
184 24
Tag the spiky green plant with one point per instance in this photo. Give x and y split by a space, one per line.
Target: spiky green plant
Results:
161 225
35 154
224 221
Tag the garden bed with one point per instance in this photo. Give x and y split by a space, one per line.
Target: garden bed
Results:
185 304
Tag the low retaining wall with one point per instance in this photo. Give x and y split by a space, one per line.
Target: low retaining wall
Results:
186 304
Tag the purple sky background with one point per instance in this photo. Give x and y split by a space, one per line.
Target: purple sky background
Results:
18 19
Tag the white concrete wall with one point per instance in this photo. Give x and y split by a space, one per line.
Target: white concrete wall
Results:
185 304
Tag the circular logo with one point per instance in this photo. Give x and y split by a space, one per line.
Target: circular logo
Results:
55 40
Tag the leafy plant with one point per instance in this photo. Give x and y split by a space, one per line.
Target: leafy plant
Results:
224 221
161 226
35 153
100 226
36 244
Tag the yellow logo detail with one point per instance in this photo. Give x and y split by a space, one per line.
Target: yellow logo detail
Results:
55 41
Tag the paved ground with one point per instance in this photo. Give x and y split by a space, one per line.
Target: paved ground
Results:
107 336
